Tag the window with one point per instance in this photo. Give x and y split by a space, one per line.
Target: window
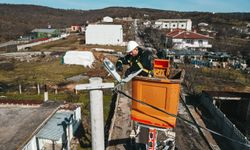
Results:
200 41
190 41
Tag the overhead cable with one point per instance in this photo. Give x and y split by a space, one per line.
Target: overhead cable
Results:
183 119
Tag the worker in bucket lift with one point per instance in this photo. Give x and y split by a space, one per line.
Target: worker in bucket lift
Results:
138 58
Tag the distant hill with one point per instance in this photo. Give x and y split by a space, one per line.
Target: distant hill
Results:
15 20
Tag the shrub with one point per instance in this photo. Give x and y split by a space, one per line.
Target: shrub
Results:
7 66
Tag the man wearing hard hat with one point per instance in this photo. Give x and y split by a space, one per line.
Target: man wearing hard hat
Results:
138 58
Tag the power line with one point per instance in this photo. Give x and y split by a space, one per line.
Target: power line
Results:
183 119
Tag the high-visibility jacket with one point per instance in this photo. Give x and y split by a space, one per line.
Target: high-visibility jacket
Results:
144 60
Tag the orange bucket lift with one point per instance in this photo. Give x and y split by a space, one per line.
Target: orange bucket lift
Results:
160 92
161 68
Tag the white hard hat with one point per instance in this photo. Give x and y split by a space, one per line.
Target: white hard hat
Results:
131 45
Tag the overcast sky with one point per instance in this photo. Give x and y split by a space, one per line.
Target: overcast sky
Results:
178 5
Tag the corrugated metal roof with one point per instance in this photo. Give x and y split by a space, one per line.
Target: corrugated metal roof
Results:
44 30
53 130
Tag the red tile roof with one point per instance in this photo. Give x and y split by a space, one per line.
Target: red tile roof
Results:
175 32
181 34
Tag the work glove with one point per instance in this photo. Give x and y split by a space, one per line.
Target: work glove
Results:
128 72
151 74
119 66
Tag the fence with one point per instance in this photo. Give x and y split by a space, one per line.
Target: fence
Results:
28 88
20 47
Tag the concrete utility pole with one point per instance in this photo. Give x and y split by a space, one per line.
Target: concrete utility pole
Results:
20 88
46 94
38 88
96 109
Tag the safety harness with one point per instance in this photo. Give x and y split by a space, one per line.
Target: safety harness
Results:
141 66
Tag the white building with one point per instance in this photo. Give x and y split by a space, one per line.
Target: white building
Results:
37 125
174 24
104 34
107 19
181 39
57 132
147 23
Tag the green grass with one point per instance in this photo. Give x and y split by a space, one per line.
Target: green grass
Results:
40 72
217 79
81 97
50 71
64 44
71 43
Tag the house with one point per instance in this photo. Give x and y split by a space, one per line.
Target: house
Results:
181 39
75 28
46 33
204 27
27 38
104 34
147 23
59 129
127 18
172 24
33 125
107 19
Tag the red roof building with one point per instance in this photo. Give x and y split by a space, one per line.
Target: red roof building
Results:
182 39
76 28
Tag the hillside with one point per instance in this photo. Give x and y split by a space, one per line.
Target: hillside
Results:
16 20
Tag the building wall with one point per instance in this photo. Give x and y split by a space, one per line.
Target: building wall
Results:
174 24
191 43
182 25
104 34
75 28
24 46
40 143
31 145
189 25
